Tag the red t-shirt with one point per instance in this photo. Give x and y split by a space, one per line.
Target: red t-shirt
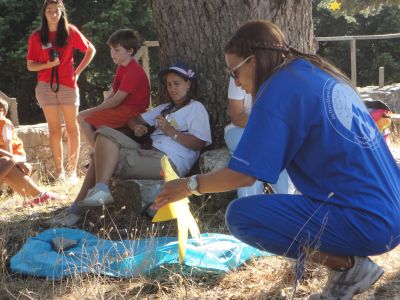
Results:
41 53
133 80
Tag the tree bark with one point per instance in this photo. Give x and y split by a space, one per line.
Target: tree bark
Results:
195 32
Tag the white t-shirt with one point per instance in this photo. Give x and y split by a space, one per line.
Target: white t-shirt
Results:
192 119
7 132
237 93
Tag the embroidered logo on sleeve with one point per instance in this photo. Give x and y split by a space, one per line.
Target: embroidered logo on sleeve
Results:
348 116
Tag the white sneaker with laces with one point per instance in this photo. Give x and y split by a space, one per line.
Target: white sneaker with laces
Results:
95 198
66 218
344 285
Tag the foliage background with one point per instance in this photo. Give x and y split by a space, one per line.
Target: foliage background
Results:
372 17
97 19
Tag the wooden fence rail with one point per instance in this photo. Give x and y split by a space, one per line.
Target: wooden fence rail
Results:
353 47
143 53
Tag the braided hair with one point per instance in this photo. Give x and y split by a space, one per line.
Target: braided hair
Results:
267 43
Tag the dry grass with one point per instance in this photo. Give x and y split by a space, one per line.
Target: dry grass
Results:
266 278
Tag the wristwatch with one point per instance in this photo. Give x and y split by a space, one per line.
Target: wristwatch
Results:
193 185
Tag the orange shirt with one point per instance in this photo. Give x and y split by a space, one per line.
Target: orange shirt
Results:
17 145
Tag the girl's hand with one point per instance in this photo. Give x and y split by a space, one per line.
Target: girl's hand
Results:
55 62
164 125
25 168
140 130
172 191
18 159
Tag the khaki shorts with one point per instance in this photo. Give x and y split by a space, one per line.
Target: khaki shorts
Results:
65 96
133 162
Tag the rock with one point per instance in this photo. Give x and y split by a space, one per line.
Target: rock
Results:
212 204
214 160
142 191
389 94
38 151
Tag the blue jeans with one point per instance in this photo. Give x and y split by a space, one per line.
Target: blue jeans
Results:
283 186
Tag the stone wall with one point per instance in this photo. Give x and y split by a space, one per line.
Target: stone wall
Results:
38 152
390 94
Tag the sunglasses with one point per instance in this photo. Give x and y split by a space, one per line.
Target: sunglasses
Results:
53 1
231 72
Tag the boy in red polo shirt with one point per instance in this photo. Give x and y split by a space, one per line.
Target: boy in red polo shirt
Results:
130 94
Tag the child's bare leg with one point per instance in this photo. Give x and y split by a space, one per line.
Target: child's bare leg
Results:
21 183
71 125
6 164
51 112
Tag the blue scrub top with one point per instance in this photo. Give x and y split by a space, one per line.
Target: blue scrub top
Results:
317 127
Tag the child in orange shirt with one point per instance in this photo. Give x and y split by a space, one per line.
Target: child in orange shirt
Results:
14 170
9 141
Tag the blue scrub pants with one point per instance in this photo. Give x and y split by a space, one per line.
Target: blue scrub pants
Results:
286 224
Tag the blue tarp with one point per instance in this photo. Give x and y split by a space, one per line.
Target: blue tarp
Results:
126 258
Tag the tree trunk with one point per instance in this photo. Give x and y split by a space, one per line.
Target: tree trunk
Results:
195 32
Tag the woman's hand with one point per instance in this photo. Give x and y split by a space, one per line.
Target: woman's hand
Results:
164 125
140 130
172 191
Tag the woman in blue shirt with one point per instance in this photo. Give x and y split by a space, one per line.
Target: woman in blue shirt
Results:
307 118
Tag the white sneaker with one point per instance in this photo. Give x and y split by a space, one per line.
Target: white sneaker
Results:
96 198
66 218
344 285
72 179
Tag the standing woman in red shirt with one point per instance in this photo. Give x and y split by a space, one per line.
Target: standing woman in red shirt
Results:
50 53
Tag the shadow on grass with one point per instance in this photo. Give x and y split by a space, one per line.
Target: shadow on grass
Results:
388 288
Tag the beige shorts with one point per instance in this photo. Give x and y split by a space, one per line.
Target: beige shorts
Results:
133 162
65 96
